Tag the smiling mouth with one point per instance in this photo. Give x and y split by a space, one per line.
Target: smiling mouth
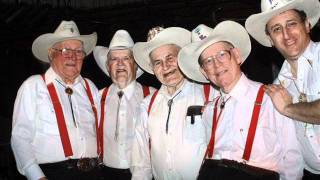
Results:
71 65
169 73
121 71
220 73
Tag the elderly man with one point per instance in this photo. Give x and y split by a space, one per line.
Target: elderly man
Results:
286 26
55 116
249 138
170 139
118 104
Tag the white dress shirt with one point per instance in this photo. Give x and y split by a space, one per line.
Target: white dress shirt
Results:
35 133
308 82
275 146
177 154
117 153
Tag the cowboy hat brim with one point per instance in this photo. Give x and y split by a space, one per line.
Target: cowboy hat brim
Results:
256 24
43 43
171 35
100 54
227 31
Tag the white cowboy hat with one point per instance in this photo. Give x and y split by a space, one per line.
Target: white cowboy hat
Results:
171 35
120 40
256 23
66 30
228 31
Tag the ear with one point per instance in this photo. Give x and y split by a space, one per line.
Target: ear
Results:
271 41
107 67
203 72
237 55
50 54
307 25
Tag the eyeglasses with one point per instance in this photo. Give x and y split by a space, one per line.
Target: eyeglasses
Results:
67 53
221 56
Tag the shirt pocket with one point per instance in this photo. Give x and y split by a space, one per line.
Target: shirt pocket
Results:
196 132
47 122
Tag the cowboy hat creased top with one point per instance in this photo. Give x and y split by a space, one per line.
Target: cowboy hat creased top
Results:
226 31
172 35
65 31
120 40
256 23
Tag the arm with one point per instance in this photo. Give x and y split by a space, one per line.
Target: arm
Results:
23 130
140 164
308 112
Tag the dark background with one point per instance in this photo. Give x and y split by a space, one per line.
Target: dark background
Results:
23 21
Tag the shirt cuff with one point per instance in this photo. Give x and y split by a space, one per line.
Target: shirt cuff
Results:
34 172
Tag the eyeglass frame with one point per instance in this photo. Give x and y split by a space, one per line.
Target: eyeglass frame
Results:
71 52
204 62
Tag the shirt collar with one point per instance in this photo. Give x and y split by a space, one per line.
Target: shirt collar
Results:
306 59
183 88
128 90
240 88
51 76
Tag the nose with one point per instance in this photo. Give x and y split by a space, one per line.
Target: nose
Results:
165 65
286 33
120 61
216 63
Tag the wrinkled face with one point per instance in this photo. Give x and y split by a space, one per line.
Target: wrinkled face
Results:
66 59
289 34
165 65
121 67
220 63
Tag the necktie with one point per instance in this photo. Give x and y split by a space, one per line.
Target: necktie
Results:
116 134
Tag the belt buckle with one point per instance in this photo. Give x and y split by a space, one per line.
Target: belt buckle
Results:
86 164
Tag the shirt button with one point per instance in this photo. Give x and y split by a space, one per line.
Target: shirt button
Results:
311 136
241 130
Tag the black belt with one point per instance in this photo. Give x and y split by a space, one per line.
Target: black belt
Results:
83 164
245 168
116 170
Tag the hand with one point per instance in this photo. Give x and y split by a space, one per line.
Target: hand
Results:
280 97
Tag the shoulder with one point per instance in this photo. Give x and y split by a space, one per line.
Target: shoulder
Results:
32 82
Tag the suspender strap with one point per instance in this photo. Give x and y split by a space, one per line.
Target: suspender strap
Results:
206 90
214 128
151 101
64 136
149 108
146 91
253 124
252 128
103 103
95 112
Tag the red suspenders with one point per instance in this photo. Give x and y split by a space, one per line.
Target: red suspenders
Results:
63 131
102 104
206 90
251 131
253 124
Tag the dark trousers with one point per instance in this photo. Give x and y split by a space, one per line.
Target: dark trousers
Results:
67 170
307 175
232 170
109 173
